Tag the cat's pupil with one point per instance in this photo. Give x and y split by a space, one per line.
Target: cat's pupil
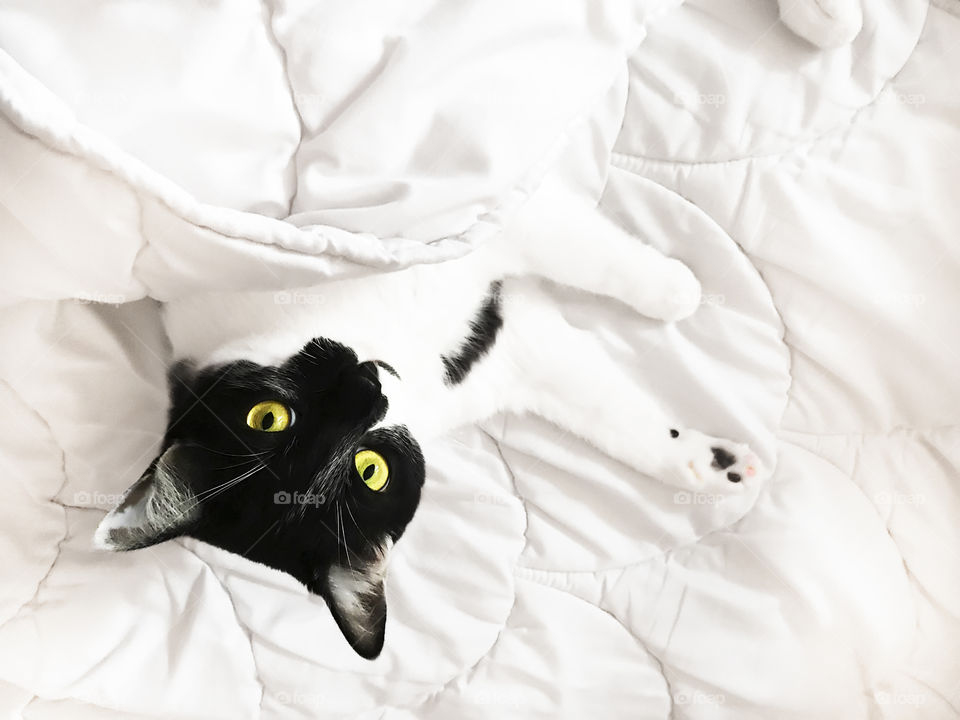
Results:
267 421
369 471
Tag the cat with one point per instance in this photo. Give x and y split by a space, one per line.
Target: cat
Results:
295 428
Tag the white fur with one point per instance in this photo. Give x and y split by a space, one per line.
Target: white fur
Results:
539 362
151 505
349 586
827 24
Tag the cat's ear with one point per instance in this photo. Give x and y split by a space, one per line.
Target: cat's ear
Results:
355 596
157 507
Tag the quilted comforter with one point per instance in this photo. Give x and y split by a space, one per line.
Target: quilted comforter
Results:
151 150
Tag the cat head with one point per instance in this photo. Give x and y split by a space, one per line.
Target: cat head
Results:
287 465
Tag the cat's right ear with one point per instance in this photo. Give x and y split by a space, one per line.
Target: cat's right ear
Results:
157 507
356 598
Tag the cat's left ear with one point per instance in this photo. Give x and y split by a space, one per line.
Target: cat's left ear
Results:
355 596
157 507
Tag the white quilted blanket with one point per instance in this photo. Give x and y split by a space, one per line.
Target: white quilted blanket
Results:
148 150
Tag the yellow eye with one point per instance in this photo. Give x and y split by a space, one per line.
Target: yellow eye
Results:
269 416
373 469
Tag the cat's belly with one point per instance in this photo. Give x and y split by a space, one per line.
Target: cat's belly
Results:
407 319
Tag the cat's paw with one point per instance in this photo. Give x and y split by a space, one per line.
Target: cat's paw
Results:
673 295
695 461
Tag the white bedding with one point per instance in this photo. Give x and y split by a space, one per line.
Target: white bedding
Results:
150 150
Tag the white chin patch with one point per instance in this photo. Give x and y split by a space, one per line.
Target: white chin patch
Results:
350 586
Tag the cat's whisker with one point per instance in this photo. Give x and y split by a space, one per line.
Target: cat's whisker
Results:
238 455
356 524
223 487
339 534
239 464
346 548
210 492
243 476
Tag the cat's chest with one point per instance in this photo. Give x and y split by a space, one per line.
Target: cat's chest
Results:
407 319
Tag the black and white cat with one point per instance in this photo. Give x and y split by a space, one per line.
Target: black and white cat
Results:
294 428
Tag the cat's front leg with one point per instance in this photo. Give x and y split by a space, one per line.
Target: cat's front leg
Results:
630 426
565 376
559 236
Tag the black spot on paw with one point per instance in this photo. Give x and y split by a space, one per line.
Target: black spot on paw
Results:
722 459
734 477
674 433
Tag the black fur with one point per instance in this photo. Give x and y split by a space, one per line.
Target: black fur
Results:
483 333
303 507
722 459
388 367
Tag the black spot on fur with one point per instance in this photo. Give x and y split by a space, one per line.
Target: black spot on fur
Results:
722 459
674 433
734 477
483 333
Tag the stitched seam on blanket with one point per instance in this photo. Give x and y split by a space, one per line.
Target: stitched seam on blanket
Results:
630 159
631 162
88 704
246 631
849 475
53 500
144 244
951 7
422 700
518 193
95 160
531 575
15 119
512 197
80 151
141 191
269 10
876 433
